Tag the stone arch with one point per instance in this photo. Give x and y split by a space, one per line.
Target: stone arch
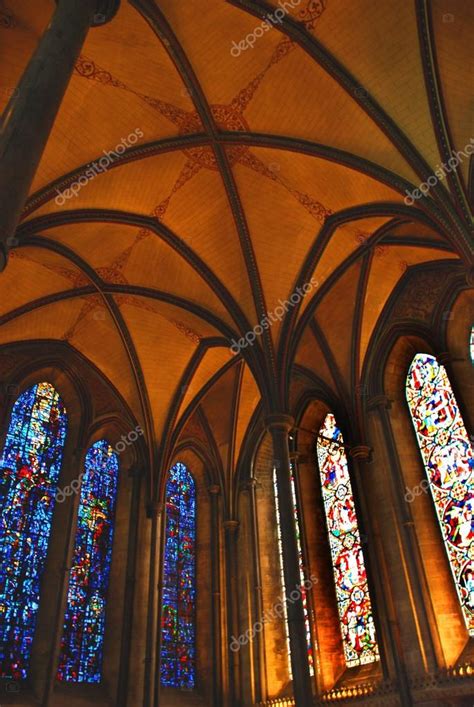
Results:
443 612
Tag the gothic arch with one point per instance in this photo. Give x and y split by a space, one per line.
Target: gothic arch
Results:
442 610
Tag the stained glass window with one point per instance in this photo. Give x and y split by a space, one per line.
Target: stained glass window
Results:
282 573
302 588
84 622
471 344
353 600
448 459
179 581
29 471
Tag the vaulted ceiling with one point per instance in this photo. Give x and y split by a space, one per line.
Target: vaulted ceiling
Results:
260 167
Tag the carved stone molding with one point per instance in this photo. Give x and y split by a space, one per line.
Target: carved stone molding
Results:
361 452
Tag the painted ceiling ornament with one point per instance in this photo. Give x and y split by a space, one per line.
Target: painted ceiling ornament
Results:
187 331
229 118
312 12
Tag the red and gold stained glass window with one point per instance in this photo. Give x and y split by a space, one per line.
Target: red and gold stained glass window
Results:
352 591
449 464
178 658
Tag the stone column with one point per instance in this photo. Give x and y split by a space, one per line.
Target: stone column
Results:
54 595
29 116
155 513
259 639
279 427
130 580
233 628
391 654
214 492
294 457
414 588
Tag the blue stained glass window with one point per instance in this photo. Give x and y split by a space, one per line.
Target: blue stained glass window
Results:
449 463
179 581
84 622
29 471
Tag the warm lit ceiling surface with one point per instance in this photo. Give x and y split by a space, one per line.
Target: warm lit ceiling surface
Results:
256 169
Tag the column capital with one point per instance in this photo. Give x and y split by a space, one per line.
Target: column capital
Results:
279 421
154 509
136 472
249 484
380 401
361 452
231 526
214 489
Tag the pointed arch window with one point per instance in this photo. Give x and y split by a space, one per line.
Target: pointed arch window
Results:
353 599
449 464
29 471
471 344
178 629
82 642
303 578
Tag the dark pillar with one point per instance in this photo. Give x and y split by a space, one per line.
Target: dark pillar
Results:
150 697
259 639
130 581
29 116
429 641
233 625
279 427
61 547
214 492
389 641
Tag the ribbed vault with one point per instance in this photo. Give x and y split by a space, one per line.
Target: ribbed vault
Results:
255 173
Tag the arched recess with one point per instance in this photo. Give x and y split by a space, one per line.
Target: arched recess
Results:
311 412
208 606
122 631
437 612
95 411
20 376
